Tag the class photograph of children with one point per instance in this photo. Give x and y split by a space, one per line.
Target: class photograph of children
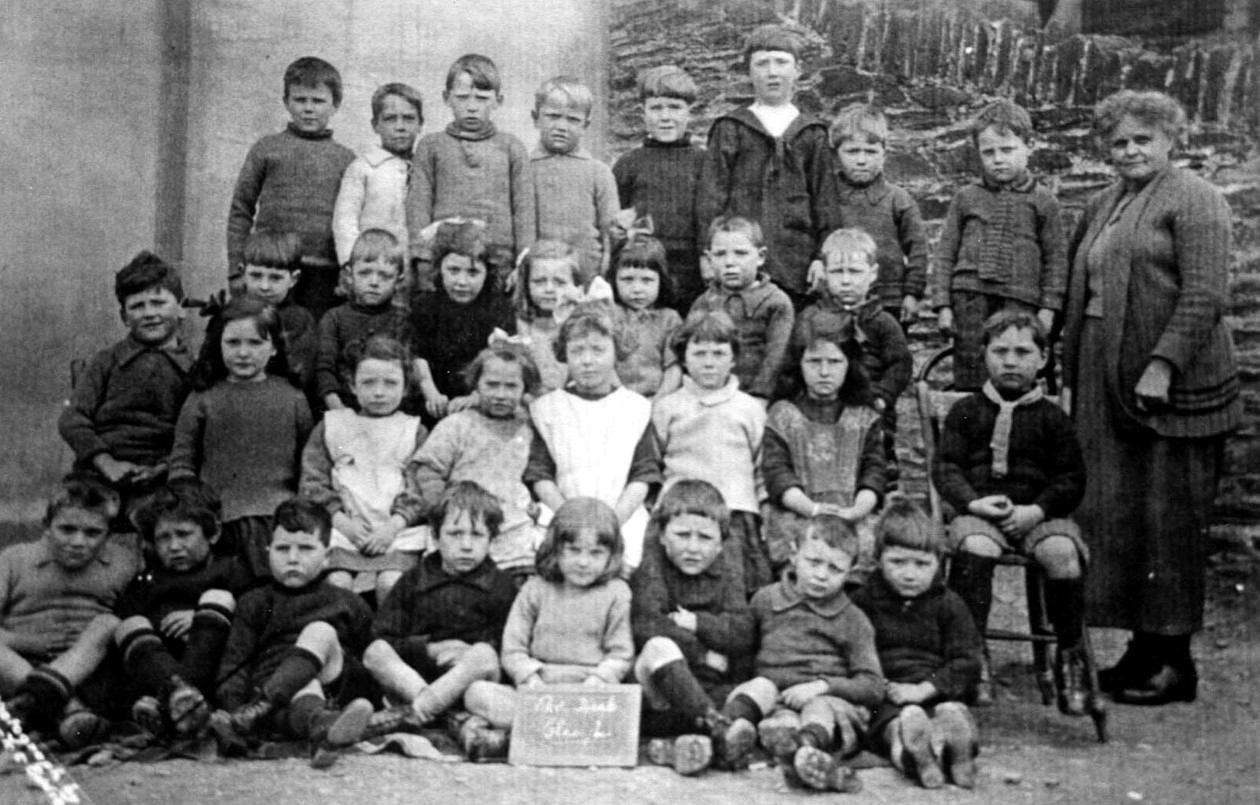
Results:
638 401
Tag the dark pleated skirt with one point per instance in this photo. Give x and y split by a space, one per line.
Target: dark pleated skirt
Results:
1146 512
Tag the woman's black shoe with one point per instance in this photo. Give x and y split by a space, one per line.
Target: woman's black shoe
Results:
1168 684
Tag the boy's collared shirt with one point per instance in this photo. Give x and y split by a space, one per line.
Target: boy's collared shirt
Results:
39 596
890 215
576 200
372 195
805 640
126 402
763 314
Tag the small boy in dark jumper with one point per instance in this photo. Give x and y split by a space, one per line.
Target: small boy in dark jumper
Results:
885 211
818 675
289 183
659 178
295 641
439 628
693 629
175 618
120 421
929 649
1003 244
57 596
1010 466
273 267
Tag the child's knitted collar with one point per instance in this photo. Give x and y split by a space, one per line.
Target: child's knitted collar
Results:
325 134
709 397
483 131
784 596
873 191
542 153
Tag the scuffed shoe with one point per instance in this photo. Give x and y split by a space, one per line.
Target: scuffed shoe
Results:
687 754
821 771
483 743
780 739
399 718
146 713
187 708
335 730
230 743
81 728
916 738
733 741
247 718
957 730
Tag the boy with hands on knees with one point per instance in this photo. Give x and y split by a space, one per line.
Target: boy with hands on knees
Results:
929 649
438 630
1010 465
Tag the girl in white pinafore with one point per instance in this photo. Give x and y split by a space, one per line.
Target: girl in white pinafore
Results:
354 464
596 437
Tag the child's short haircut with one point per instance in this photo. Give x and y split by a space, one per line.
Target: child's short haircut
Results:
591 317
667 81
847 241
274 250
183 500
467 238
574 93
405 91
509 353
572 518
1004 117
544 249
736 223
146 271
377 244
692 496
644 251
835 532
713 327
472 499
310 71
382 348
904 524
859 120
303 515
1004 320
481 69
86 491
772 37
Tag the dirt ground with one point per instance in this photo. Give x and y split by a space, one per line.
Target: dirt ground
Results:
1205 752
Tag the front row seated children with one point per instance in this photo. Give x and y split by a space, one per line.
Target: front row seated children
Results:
762 312
694 631
568 624
641 289
595 438
548 277
928 648
294 644
56 614
490 446
818 675
453 322
241 433
712 431
372 277
175 618
120 419
354 464
273 266
438 630
823 448
1010 466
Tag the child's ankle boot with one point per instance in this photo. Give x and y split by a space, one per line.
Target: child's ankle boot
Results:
687 754
334 730
916 739
247 718
146 713
780 738
399 718
482 742
957 729
733 739
79 727
187 708
822 771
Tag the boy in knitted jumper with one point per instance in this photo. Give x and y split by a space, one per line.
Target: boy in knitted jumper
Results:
1010 466
289 183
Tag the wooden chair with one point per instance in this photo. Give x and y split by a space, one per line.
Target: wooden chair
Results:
935 396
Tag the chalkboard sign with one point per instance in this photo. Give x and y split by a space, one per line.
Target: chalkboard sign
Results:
576 725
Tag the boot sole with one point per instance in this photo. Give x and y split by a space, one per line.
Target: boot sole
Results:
348 728
916 737
737 743
814 767
692 754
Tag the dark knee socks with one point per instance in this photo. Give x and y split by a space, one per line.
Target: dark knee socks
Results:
206 639
1065 608
741 706
971 576
295 672
148 662
676 682
49 692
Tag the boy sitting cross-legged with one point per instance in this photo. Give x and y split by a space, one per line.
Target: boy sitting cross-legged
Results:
929 649
1011 467
438 630
293 642
175 618
56 619
692 626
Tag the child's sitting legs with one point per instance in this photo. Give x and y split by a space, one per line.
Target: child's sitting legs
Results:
926 747
456 668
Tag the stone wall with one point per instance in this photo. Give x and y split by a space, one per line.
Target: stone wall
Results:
932 65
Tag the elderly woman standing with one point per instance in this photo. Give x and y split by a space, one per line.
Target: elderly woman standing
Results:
1155 388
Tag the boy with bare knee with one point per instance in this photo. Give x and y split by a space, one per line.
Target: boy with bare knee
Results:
1010 466
930 652
294 644
818 675
56 614
175 618
439 628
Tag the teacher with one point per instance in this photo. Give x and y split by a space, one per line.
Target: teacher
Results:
1154 387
